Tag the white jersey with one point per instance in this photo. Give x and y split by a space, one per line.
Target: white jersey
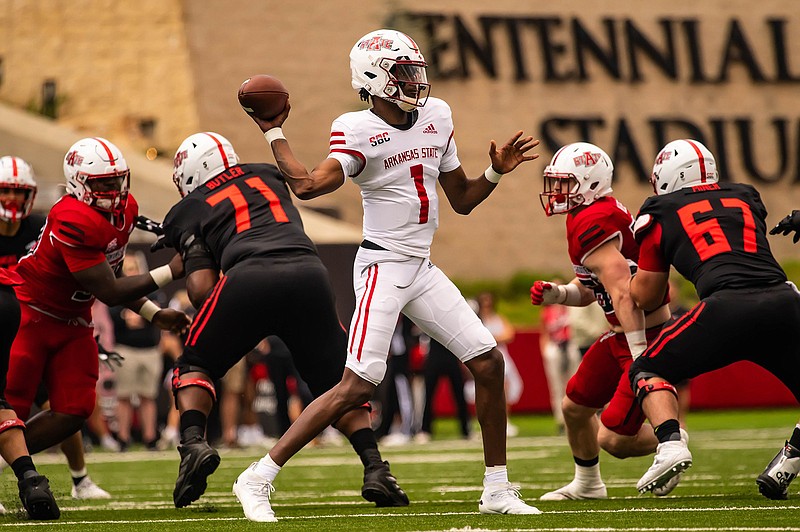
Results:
397 171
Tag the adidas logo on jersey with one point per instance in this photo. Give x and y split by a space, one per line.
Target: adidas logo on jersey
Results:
430 130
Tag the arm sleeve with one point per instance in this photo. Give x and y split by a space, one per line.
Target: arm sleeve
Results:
651 257
73 238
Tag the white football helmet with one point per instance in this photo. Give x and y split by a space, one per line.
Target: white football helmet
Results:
683 163
199 158
18 175
389 65
93 159
579 174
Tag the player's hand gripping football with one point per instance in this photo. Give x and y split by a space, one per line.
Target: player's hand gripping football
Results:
172 320
544 293
112 359
276 121
512 153
790 223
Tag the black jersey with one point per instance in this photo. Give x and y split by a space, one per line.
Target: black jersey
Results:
715 236
12 248
246 211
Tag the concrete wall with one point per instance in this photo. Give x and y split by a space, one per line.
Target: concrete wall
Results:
625 75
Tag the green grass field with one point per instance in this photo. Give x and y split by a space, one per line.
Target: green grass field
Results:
320 488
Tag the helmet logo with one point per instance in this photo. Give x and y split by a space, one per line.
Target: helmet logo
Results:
180 157
663 156
375 44
74 159
587 158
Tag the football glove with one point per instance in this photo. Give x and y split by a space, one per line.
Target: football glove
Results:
109 358
151 226
544 293
790 223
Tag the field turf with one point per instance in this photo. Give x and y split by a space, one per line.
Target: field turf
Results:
320 488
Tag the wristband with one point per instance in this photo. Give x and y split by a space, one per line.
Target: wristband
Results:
571 294
274 134
637 342
162 275
148 310
492 176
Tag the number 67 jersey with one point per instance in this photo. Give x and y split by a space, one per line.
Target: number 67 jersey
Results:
397 169
699 230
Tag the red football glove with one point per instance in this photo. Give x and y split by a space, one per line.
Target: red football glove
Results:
537 291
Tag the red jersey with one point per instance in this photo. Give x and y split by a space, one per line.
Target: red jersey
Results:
592 226
75 237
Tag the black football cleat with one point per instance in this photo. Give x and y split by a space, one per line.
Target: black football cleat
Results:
381 487
198 461
37 499
774 482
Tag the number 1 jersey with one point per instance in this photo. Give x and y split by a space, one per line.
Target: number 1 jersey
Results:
397 170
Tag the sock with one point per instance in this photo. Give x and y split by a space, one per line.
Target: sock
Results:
23 466
495 474
794 441
193 423
78 475
586 463
366 446
668 431
588 475
267 468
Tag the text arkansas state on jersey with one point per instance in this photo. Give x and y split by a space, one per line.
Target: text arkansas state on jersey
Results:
591 226
13 248
75 237
397 170
260 200
697 230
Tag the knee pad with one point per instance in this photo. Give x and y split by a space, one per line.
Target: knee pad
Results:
642 388
12 424
180 369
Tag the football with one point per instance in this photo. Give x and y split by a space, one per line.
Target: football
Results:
263 96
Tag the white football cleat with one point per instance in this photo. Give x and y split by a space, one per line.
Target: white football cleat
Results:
575 492
672 483
253 492
503 498
672 458
774 482
87 489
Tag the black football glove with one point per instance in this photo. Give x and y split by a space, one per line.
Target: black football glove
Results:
109 358
790 223
151 226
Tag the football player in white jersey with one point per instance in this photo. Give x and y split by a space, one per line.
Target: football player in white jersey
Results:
396 151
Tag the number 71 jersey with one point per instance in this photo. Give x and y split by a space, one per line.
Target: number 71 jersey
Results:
246 211
714 235
397 170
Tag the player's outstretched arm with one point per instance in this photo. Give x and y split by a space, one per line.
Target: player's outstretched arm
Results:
325 178
791 222
100 281
465 194
572 294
